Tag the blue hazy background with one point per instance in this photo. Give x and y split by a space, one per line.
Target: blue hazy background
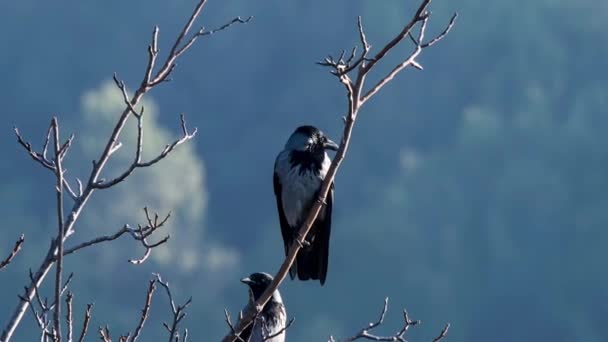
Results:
474 192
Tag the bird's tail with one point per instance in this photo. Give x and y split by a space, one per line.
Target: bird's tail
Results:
311 262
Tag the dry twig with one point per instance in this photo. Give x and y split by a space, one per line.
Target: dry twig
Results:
341 68
266 336
366 334
144 311
14 252
58 169
104 334
179 312
85 323
68 316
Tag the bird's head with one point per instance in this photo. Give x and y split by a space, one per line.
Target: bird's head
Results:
310 139
257 282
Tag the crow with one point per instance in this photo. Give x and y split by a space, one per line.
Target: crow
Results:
299 171
273 317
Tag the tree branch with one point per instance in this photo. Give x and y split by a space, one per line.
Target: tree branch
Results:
68 316
60 231
144 311
14 252
141 233
271 336
137 163
177 310
443 333
85 323
366 334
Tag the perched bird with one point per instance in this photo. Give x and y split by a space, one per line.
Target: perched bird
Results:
273 317
299 171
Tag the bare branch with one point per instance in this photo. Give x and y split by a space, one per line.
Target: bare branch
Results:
68 316
104 333
144 311
231 326
121 85
177 50
366 334
442 334
442 34
141 233
14 252
137 163
38 157
271 336
185 137
177 310
202 32
85 323
64 288
37 316
60 230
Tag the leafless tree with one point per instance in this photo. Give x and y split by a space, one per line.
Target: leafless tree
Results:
156 72
351 71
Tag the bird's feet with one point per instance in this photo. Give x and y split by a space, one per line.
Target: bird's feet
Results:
302 243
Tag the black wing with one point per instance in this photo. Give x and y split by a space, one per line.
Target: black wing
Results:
286 230
324 232
312 261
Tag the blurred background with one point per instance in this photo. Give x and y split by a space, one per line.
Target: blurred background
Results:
475 192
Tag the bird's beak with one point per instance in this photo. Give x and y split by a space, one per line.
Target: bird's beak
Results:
330 145
246 280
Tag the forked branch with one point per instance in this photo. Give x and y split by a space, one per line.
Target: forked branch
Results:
367 334
141 234
178 311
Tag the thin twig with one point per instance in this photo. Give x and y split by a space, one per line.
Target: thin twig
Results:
137 163
231 326
85 323
60 229
14 252
202 32
38 157
442 334
144 311
177 310
68 316
284 329
139 234
366 334
104 333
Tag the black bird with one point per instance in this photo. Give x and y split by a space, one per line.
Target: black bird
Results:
273 317
299 171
